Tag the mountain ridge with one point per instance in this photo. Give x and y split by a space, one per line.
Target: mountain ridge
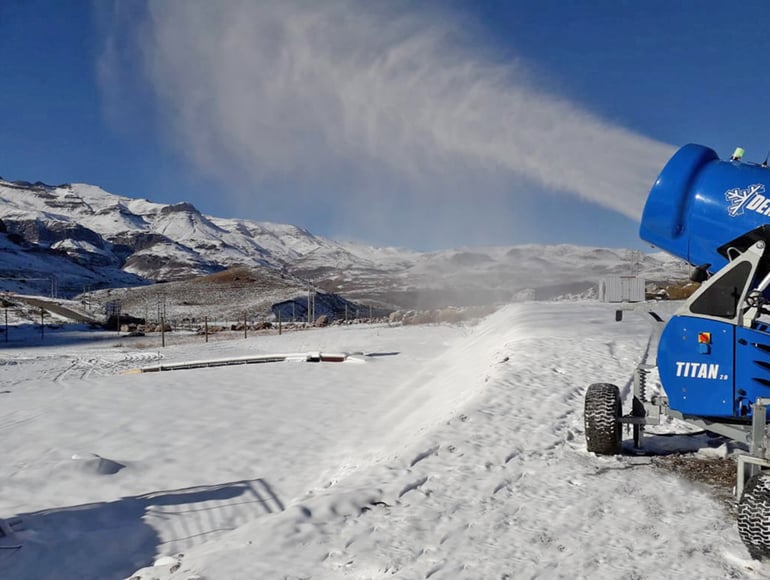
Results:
85 237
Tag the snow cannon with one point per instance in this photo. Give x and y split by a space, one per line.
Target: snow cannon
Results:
700 205
713 352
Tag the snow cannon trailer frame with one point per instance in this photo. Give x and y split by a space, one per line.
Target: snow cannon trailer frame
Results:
713 359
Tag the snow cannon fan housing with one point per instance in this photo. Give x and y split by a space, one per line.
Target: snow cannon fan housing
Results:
700 205
714 353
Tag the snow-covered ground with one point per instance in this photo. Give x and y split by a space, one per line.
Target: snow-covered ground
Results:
439 452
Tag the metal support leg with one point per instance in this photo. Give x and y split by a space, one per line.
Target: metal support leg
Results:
752 464
748 466
758 424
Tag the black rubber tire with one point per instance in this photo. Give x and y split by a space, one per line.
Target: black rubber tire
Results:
754 516
603 408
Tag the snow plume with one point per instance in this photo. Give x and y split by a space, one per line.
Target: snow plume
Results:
391 115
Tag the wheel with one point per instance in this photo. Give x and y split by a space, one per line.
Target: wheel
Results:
754 516
602 411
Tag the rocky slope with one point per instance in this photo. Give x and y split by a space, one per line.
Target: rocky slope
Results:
72 238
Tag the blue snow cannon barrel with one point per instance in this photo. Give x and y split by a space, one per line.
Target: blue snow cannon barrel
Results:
700 203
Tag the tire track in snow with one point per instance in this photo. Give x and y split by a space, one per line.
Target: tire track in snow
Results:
104 365
14 419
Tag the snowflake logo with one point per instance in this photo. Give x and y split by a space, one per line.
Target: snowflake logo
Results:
739 198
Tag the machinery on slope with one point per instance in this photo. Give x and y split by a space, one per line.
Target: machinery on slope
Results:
713 354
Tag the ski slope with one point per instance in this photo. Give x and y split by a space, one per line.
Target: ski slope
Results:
436 452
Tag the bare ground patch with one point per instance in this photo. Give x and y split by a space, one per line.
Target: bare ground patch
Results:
716 473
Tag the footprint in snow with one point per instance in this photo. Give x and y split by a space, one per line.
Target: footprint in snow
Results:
412 486
424 455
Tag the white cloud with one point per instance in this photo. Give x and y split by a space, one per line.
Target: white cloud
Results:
372 101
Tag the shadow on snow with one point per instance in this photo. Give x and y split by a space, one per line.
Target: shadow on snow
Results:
113 539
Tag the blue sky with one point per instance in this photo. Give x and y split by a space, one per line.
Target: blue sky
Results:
427 125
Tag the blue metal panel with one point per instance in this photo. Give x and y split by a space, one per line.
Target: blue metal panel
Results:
700 203
752 369
698 383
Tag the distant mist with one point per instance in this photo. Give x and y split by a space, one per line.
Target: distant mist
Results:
390 113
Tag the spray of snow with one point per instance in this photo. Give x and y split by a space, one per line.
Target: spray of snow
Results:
386 112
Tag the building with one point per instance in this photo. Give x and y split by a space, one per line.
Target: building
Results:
622 289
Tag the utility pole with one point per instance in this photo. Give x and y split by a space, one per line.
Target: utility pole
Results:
635 257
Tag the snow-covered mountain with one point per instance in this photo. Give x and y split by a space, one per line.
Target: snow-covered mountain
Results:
75 237
150 240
